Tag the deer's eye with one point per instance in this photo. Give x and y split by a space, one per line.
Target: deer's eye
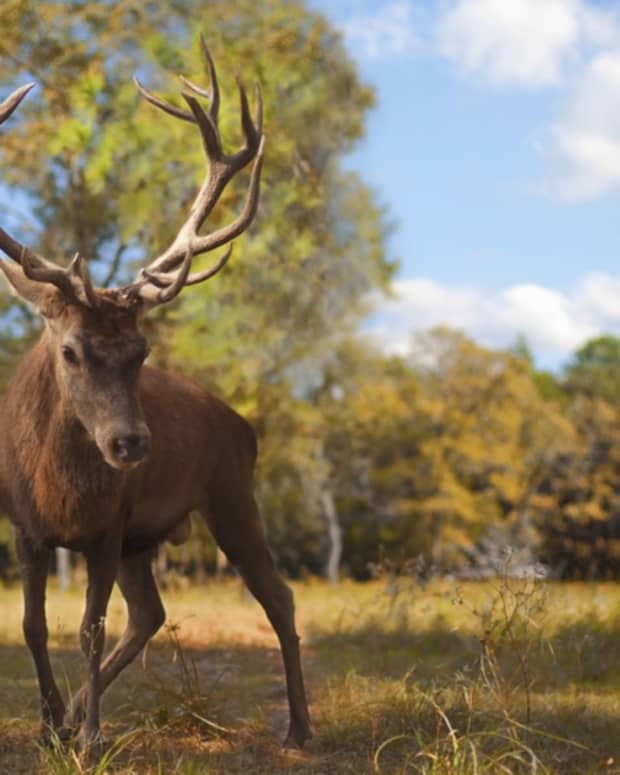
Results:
69 355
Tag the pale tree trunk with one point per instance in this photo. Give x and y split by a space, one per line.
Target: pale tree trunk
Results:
161 564
221 563
199 562
436 542
63 568
334 533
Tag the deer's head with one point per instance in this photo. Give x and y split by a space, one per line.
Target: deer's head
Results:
93 333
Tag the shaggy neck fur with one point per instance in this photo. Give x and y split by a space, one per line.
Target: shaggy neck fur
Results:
71 485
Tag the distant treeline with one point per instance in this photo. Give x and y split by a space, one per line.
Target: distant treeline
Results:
443 463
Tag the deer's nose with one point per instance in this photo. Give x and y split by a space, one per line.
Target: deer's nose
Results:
130 449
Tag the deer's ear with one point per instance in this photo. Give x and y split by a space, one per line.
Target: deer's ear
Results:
45 298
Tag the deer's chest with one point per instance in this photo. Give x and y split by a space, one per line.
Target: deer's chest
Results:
72 503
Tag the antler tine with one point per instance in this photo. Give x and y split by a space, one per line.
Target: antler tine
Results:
163 280
199 277
12 101
227 233
167 107
10 246
73 281
195 88
85 282
154 284
158 291
208 129
252 136
214 95
215 88
259 109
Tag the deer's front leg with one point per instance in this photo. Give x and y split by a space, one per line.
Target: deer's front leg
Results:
146 615
34 560
102 565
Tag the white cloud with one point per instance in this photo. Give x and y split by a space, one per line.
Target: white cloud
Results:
599 296
574 44
583 145
523 42
554 324
529 42
390 30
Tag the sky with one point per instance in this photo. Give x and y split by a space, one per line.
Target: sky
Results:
495 147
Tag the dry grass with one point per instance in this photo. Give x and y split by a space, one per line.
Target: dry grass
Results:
449 679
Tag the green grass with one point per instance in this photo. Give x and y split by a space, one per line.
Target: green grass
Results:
446 679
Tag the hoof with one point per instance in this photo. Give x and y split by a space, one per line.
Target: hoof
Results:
55 736
297 736
90 747
76 712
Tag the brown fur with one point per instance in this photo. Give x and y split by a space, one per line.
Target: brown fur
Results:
58 490
78 420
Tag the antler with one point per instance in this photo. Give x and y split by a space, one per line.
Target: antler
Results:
13 100
10 246
74 281
167 274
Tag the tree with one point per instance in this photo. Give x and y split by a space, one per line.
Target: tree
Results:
369 407
490 441
103 174
97 166
595 370
579 500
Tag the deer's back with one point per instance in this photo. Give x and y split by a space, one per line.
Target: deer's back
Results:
201 451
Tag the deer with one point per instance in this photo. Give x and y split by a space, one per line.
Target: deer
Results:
108 456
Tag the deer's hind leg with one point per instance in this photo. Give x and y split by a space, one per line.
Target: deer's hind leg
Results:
237 528
34 562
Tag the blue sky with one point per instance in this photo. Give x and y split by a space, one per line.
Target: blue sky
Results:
495 146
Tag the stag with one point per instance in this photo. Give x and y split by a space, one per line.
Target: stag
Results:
108 456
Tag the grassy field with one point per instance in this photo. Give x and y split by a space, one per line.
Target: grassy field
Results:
495 677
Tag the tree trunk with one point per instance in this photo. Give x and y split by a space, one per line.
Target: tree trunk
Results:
63 568
200 574
161 564
334 532
221 563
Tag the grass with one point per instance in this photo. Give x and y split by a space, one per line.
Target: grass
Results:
445 679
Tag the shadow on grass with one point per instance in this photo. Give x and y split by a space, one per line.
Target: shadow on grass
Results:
192 710
582 654
224 710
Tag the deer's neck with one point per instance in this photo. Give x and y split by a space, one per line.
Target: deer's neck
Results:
42 419
66 474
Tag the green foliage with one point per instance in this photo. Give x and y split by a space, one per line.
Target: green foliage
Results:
595 370
427 454
421 455
550 387
578 504
106 175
